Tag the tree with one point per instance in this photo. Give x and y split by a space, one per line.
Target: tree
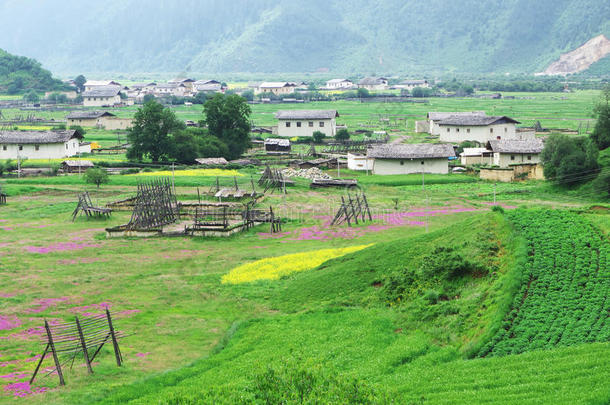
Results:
147 98
79 82
248 95
227 118
193 143
96 176
150 133
78 129
31 96
363 93
318 136
200 98
601 132
342 135
568 160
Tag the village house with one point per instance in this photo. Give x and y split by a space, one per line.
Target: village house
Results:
207 86
475 156
373 83
411 84
39 145
170 89
93 84
98 119
360 162
277 88
339 84
275 145
76 166
102 96
477 128
305 122
512 152
71 95
186 82
434 117
411 158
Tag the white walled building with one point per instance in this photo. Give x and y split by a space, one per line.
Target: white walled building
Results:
359 162
339 84
39 145
411 84
435 117
482 129
94 84
277 88
305 122
102 96
510 152
411 158
373 83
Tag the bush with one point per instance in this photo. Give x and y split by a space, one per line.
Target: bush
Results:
342 135
318 136
96 176
497 208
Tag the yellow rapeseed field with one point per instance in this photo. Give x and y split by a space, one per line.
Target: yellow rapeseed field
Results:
273 268
193 173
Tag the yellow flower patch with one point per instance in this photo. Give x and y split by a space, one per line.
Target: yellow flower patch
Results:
192 173
273 268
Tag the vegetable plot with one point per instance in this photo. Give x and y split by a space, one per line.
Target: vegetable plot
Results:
565 283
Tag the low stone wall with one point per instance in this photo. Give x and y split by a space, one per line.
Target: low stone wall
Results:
513 173
502 175
422 127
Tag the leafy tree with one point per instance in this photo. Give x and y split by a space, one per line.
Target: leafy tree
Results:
193 143
96 176
569 160
318 136
147 98
363 93
31 96
248 95
79 129
150 133
79 82
200 98
342 135
227 118
601 133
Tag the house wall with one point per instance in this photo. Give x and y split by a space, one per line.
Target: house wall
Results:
112 124
277 90
373 87
359 162
472 160
502 175
341 85
45 151
408 166
101 101
85 122
422 127
329 128
507 159
70 94
481 134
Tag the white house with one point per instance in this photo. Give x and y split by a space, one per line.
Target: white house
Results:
510 152
170 89
435 117
339 84
359 162
102 96
306 122
186 82
411 158
411 84
277 88
373 83
457 129
93 84
474 156
39 145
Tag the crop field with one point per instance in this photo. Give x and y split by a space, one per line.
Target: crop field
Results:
424 304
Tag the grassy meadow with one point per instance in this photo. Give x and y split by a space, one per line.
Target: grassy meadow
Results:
436 301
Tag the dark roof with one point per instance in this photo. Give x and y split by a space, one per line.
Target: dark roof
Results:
506 146
411 151
83 115
278 142
78 163
373 81
208 87
476 120
28 137
206 81
439 116
306 114
103 91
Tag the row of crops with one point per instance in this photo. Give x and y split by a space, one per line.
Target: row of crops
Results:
565 284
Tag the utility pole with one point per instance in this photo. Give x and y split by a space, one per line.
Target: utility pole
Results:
173 179
18 162
495 193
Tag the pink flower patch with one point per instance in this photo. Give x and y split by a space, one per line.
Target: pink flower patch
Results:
81 260
127 313
43 304
8 323
60 247
23 389
90 310
143 354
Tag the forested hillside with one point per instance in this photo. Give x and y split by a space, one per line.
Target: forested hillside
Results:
18 73
347 36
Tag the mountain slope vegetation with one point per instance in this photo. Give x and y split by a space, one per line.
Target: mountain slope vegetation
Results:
18 73
347 36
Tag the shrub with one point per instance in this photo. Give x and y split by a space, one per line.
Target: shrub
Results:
96 176
318 136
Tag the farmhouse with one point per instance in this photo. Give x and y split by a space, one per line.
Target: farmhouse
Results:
170 89
411 84
511 152
411 158
93 84
98 119
475 156
76 166
277 88
373 83
457 129
146 87
361 162
306 122
277 145
339 84
207 86
102 96
39 145
435 117
186 82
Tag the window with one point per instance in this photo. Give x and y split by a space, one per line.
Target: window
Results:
20 147
529 157
512 157
467 130
310 124
287 124
422 162
402 163
457 130
505 129
3 147
299 124
491 130
321 124
448 129
36 147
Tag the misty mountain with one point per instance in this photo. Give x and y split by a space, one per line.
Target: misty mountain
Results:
343 36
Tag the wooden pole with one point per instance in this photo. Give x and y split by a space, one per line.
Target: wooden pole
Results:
39 363
115 344
55 359
84 346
